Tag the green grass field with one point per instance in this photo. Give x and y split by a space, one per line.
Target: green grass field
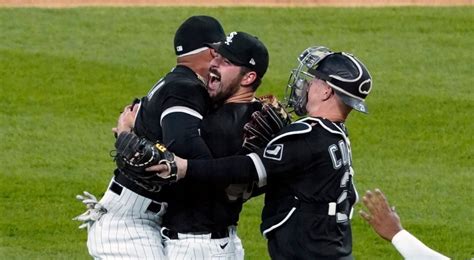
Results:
66 73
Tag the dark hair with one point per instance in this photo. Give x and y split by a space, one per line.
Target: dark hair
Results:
258 80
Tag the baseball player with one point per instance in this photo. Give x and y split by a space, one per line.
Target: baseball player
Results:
307 168
386 223
126 222
235 73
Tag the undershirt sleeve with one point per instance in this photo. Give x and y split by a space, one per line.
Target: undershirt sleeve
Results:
412 248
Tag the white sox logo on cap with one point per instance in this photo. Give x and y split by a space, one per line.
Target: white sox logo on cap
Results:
228 39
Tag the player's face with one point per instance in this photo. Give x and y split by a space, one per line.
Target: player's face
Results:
224 79
316 91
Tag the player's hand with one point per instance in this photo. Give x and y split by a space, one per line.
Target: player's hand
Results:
126 120
383 218
87 199
163 169
94 210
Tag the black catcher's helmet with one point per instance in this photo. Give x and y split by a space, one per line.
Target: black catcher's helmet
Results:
349 78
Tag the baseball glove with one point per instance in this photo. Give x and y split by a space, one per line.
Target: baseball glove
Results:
135 154
265 124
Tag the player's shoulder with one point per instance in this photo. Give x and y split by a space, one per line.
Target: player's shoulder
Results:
230 116
310 125
184 88
325 126
183 75
237 111
297 128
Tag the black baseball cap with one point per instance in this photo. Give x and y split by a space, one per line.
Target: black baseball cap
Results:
246 50
197 32
348 77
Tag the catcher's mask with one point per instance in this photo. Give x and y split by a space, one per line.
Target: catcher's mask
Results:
341 71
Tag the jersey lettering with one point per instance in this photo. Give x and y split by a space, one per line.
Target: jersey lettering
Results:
155 88
337 163
344 152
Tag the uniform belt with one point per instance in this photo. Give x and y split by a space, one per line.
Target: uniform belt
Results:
154 207
330 209
126 182
171 234
319 208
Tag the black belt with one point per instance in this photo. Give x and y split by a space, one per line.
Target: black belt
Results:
171 234
154 207
121 179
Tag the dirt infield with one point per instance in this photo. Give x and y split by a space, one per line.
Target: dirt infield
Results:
215 3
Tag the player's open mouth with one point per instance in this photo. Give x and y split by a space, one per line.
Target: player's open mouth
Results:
214 81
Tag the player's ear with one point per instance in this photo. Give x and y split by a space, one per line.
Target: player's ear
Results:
327 92
248 78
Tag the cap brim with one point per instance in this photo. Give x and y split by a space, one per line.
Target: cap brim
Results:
356 104
214 45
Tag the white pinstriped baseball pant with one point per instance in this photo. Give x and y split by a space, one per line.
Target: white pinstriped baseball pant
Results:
201 247
129 230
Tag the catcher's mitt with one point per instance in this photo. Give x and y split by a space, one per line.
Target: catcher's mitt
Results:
265 124
135 154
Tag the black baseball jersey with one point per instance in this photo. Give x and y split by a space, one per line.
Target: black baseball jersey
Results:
172 113
309 192
222 130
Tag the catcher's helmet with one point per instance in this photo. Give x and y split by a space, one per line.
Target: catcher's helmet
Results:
342 71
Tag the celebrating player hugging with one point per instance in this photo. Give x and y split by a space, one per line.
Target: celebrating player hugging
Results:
200 220
307 168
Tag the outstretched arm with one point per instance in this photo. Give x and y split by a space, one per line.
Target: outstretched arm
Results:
235 169
386 222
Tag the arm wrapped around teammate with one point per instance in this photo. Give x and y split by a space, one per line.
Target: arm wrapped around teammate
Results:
265 124
135 154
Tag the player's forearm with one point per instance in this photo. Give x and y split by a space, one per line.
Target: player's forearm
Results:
412 248
236 169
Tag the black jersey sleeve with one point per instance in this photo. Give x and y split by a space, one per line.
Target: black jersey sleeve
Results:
181 134
186 94
285 157
278 160
234 169
184 106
